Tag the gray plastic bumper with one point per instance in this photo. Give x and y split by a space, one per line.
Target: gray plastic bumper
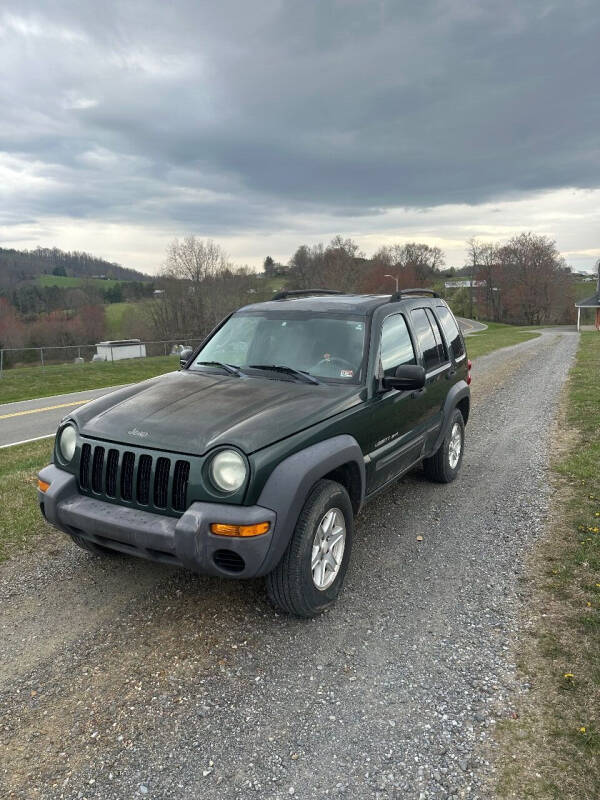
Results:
184 541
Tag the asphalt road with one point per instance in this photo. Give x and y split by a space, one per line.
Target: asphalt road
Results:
123 679
35 419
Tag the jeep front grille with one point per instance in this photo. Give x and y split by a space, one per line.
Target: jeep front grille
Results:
138 478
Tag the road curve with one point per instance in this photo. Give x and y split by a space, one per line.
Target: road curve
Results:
120 678
468 326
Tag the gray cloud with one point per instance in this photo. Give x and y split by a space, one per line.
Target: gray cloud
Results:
236 116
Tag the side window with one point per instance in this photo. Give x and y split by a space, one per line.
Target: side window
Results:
439 339
396 345
426 337
450 328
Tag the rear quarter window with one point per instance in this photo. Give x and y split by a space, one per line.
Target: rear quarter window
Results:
451 331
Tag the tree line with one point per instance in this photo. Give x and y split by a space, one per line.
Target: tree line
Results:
22 265
524 281
30 299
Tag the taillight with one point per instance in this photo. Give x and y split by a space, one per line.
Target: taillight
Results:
469 365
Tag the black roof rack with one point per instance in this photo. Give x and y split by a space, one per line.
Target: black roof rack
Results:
410 292
299 292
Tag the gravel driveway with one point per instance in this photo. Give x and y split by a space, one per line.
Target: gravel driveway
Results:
121 679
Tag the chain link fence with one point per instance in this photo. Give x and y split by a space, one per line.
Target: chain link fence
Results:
41 357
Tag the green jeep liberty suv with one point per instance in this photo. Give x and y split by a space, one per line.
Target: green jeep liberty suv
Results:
256 456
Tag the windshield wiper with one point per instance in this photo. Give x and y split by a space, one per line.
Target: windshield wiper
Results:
303 376
230 368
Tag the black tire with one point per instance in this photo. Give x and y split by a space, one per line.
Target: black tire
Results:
95 549
438 467
290 587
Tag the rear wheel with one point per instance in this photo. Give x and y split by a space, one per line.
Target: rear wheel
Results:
445 463
311 572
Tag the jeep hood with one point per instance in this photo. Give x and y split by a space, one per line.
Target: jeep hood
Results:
192 412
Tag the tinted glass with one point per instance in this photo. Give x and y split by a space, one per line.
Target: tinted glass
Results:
435 326
451 331
326 347
426 339
396 345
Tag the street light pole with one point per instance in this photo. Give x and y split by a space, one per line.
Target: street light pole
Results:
394 278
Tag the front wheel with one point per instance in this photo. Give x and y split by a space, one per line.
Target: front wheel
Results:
311 572
444 464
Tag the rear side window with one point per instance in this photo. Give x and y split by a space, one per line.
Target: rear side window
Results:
396 344
439 339
450 328
429 341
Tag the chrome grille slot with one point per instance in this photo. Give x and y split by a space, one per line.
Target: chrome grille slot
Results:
161 482
84 466
97 467
127 476
180 484
143 479
112 466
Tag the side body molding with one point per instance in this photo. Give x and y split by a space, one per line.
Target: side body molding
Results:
289 484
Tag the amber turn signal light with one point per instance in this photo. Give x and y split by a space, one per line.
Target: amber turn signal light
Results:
239 530
43 486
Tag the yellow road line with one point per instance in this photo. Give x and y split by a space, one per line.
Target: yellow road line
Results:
47 408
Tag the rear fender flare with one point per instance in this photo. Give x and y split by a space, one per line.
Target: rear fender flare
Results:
457 393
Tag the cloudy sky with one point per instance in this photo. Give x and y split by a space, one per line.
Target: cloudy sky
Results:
268 124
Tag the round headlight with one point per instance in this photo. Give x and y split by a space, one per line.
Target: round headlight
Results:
228 470
67 441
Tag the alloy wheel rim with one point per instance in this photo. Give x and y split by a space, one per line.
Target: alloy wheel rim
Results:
328 549
455 445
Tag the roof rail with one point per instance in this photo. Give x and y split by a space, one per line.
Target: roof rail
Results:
410 292
299 292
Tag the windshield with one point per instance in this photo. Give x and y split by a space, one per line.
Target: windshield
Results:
328 347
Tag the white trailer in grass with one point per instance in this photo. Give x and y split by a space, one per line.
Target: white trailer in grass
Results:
119 349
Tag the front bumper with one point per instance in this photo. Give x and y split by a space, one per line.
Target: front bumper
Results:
185 541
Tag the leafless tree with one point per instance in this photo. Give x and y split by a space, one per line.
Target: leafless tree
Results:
534 281
484 261
199 287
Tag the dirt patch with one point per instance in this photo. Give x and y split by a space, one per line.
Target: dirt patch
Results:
94 702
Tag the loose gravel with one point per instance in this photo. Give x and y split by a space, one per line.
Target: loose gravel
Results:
121 679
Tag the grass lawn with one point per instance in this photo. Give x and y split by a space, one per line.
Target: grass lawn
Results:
552 751
25 383
115 314
20 518
496 336
67 282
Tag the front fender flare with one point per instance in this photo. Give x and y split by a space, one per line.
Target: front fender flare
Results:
289 484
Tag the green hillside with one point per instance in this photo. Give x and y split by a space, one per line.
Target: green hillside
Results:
68 282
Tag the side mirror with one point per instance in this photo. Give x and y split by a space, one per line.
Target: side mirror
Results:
408 376
185 355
